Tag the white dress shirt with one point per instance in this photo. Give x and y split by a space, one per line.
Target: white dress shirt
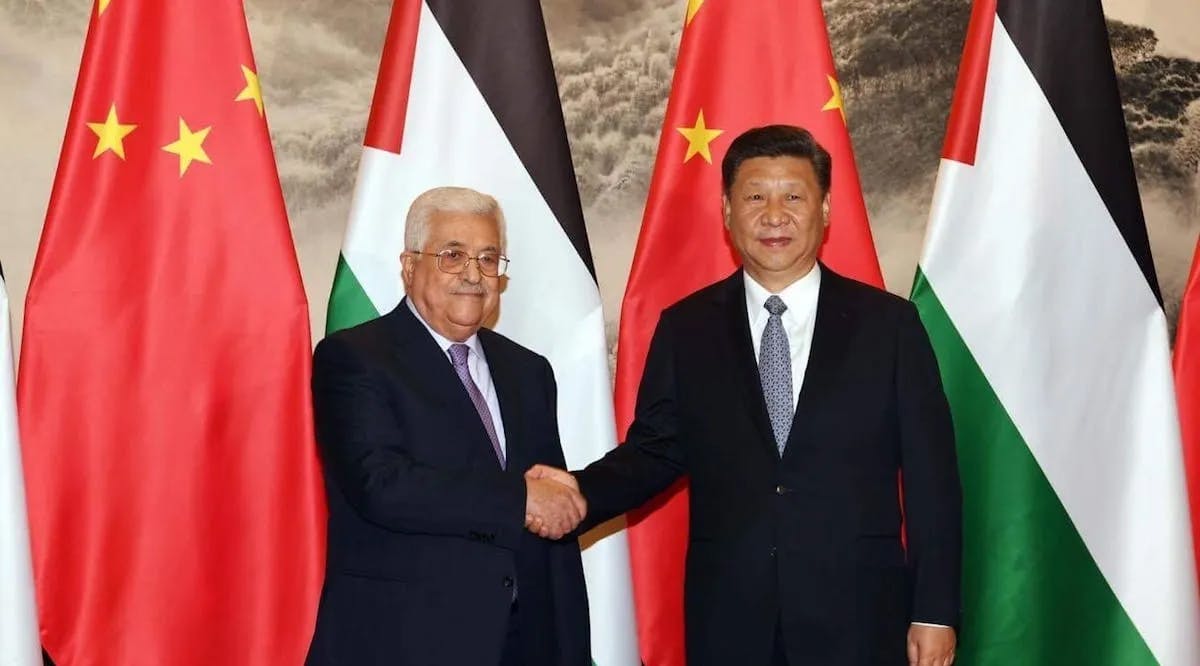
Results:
477 365
800 297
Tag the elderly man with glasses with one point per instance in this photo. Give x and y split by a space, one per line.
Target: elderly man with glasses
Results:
426 422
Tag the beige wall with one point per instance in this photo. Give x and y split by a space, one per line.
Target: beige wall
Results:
1176 22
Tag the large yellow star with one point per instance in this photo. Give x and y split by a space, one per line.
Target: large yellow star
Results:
698 138
189 147
101 6
835 102
110 133
693 7
252 90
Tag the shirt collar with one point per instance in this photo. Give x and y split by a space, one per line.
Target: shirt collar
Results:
442 341
799 296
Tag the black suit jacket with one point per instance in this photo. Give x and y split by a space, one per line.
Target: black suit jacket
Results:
426 531
812 539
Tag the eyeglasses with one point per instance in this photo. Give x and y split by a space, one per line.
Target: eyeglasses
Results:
455 261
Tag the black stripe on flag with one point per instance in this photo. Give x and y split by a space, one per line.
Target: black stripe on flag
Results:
503 45
1065 44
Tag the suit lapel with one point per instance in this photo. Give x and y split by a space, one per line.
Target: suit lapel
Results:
833 328
433 376
424 361
741 357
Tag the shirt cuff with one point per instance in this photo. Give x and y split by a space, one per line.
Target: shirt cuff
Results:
930 624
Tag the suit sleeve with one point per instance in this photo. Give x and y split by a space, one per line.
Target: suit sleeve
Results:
554 450
652 456
362 445
929 466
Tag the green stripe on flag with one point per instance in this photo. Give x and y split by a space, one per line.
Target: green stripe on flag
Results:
349 304
1032 594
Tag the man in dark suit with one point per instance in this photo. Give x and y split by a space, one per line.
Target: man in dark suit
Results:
425 422
795 553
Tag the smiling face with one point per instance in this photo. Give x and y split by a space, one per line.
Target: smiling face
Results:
776 215
454 305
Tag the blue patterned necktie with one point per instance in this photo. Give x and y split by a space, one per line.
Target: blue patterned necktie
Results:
458 356
775 371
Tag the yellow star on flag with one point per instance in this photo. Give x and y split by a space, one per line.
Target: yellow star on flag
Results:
693 7
189 147
252 90
110 133
101 6
698 138
835 102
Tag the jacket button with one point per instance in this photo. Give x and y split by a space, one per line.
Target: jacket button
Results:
772 551
779 490
508 582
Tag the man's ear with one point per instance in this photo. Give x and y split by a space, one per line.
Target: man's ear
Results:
408 264
726 209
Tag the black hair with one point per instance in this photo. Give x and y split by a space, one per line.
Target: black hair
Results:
776 141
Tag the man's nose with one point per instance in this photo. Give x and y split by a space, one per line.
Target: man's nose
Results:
471 272
775 214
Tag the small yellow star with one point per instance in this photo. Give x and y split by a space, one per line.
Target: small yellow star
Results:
252 90
693 7
698 139
835 102
189 147
109 134
101 6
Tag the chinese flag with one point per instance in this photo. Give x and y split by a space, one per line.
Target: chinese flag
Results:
1187 389
175 500
741 64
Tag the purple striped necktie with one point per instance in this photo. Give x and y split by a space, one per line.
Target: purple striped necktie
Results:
458 356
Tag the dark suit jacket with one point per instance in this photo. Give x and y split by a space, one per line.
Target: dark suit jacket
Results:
426 531
812 539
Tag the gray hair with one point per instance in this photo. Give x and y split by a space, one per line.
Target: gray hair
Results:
447 200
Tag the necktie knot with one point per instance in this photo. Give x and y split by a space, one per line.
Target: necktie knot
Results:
458 355
775 305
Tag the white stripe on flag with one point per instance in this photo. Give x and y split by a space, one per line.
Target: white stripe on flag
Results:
19 642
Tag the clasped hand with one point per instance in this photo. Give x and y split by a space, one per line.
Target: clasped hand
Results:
553 504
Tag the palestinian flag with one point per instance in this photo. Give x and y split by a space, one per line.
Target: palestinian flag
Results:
1040 296
466 96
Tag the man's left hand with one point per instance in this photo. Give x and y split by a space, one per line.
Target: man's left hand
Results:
930 646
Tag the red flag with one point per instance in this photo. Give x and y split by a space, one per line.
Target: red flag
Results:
741 65
1187 389
175 497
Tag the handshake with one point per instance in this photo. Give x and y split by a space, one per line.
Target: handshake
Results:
553 504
